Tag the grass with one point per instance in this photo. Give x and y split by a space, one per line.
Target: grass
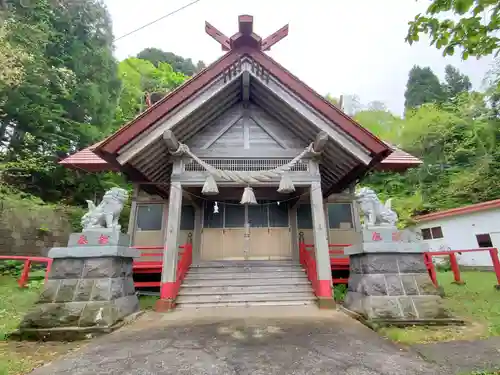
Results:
476 302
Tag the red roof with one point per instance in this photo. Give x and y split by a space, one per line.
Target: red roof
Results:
478 207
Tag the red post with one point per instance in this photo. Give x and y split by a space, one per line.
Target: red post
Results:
430 268
496 265
25 274
47 270
455 269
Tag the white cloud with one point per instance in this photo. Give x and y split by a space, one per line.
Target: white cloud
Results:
341 47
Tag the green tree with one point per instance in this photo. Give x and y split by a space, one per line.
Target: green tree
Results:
423 86
475 32
178 63
455 82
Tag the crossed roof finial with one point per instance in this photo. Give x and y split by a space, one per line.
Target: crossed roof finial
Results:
245 36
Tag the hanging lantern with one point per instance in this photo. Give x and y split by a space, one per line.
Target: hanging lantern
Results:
248 196
216 208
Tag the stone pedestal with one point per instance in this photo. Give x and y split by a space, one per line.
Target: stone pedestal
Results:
90 286
388 280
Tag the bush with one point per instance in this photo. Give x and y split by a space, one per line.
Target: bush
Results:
11 268
339 292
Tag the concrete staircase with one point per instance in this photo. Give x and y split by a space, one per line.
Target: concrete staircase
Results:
245 283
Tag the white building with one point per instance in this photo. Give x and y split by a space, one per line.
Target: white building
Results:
469 227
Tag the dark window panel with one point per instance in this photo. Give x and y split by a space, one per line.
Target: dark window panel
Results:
149 216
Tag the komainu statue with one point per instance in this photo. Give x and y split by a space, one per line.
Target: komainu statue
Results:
107 213
374 212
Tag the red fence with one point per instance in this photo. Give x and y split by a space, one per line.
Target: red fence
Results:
23 279
452 254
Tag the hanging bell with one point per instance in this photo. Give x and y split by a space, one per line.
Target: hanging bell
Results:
248 196
216 208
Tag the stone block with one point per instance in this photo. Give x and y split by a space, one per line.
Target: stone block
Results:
407 308
373 285
354 282
379 307
354 302
127 267
99 237
66 268
101 290
425 285
117 288
411 263
409 284
102 268
126 305
355 262
98 314
128 286
84 290
430 307
49 291
379 234
394 285
377 263
51 315
94 252
385 247
66 290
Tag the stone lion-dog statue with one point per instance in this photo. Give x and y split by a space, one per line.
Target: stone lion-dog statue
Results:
374 212
107 213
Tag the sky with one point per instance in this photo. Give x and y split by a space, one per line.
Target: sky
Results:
349 47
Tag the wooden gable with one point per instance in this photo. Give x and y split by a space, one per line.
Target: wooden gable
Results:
245 127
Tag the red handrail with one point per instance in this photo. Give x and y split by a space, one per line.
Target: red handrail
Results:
309 264
23 279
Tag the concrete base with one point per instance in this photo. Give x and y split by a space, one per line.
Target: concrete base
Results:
393 287
164 305
91 291
326 303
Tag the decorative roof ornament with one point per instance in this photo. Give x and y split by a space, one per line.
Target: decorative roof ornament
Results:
245 37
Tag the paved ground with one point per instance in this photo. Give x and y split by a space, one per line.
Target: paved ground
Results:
285 340
464 356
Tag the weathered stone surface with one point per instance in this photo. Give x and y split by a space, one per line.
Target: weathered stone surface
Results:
102 267
66 291
411 263
100 314
409 284
126 306
354 302
49 292
54 315
66 268
94 252
378 307
425 285
407 307
394 285
128 286
101 290
385 247
117 288
84 290
430 307
373 285
126 267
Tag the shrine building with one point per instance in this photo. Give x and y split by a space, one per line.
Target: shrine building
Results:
243 161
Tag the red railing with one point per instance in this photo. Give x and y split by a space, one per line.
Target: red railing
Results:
23 279
452 254
309 263
155 266
339 263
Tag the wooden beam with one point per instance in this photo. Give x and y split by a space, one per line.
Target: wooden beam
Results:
170 140
218 36
168 274
245 83
220 133
320 141
274 38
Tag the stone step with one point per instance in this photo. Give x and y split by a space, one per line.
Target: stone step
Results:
249 269
246 275
246 298
244 289
189 282
246 263
188 306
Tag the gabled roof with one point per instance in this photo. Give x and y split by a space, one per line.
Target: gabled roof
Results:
138 149
478 207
